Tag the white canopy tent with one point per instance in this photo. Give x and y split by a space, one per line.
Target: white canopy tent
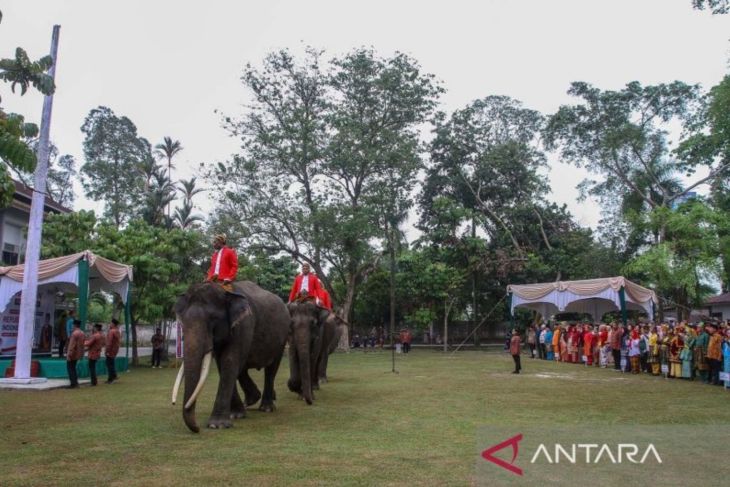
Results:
592 296
83 272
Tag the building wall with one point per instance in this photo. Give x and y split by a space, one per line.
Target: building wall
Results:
723 309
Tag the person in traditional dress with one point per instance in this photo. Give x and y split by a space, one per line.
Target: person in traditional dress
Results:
699 353
686 354
664 349
572 345
305 284
596 347
654 352
532 340
644 349
549 354
223 264
615 339
94 344
676 345
726 356
602 341
556 343
714 354
588 344
514 350
633 350
564 343
625 341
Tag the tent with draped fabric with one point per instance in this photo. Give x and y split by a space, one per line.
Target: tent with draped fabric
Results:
592 296
83 273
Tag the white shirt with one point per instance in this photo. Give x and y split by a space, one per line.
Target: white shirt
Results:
218 256
542 336
305 283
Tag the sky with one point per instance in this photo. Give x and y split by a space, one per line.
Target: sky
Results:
173 67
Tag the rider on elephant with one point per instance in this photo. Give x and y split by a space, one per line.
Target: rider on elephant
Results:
223 264
305 284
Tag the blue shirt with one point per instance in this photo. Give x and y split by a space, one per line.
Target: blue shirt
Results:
69 327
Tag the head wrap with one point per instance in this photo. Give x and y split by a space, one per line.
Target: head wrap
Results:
221 237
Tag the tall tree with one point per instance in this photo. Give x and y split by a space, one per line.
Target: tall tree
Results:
315 144
14 131
167 150
113 153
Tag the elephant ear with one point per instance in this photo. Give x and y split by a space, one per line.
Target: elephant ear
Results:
238 309
323 315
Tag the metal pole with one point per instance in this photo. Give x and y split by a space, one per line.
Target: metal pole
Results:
35 227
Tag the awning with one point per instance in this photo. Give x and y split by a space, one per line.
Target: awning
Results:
592 296
104 275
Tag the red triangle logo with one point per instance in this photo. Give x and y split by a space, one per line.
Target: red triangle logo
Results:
488 454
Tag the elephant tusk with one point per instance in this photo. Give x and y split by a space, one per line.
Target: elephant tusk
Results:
178 380
201 381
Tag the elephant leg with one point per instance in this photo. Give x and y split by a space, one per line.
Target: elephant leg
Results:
238 409
267 402
250 389
314 368
228 367
295 381
323 368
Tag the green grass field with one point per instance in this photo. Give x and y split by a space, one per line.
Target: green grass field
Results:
367 426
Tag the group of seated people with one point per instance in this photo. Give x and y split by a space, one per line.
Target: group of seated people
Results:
682 350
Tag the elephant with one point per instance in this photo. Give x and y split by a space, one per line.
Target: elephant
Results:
333 329
314 335
243 329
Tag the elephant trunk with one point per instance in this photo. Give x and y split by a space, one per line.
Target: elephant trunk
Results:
196 372
301 341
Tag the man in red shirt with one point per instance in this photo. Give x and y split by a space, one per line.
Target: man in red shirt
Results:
113 340
305 284
223 264
94 344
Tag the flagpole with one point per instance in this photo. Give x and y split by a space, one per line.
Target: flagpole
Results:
35 226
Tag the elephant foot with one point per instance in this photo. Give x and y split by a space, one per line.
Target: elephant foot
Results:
267 407
238 414
294 386
253 397
219 423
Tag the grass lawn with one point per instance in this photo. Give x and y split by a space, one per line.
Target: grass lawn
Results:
366 427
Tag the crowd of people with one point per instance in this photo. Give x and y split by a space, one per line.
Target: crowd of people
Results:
698 351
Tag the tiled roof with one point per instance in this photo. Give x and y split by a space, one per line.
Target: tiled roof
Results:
719 299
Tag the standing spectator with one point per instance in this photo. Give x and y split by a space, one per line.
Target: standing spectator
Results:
644 349
654 351
61 335
113 340
514 350
74 353
548 343
699 353
616 345
541 342
406 339
714 354
634 351
531 341
70 322
588 344
686 354
726 355
157 342
94 344
556 342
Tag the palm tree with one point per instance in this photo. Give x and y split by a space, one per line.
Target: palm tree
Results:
167 150
160 193
184 216
188 190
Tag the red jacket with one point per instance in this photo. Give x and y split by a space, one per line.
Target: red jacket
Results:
325 299
94 344
113 339
228 266
313 289
514 345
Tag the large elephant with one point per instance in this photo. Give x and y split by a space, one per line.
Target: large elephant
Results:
244 329
313 337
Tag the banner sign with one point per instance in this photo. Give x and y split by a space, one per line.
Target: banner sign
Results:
10 320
